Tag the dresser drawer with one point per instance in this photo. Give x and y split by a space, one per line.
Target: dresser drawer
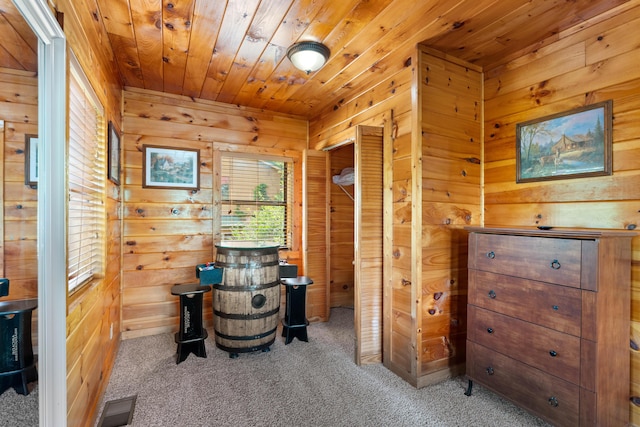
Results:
550 260
556 307
543 348
555 400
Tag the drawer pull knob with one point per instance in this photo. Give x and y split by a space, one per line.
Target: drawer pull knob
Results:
553 401
553 353
555 264
489 370
491 255
490 330
492 294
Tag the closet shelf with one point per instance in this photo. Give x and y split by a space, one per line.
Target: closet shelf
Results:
346 177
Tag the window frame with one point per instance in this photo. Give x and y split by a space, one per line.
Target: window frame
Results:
289 194
94 205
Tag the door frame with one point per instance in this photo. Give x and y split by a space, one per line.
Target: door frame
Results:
368 255
52 262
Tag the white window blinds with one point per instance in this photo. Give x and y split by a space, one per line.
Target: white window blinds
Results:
257 196
86 181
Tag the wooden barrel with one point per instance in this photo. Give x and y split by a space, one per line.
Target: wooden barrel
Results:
247 301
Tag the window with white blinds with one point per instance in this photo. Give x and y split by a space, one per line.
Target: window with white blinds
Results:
257 197
86 181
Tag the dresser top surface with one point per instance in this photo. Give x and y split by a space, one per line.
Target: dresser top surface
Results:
561 232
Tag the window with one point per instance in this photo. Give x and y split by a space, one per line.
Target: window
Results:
86 181
257 196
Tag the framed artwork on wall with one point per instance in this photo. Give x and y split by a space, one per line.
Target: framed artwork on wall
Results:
31 160
571 144
113 154
170 167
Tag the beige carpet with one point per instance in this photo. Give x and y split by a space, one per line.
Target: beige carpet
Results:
300 384
17 410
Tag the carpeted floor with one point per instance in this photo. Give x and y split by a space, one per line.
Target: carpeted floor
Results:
300 384
17 410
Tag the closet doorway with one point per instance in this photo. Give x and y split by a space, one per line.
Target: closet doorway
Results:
342 228
356 236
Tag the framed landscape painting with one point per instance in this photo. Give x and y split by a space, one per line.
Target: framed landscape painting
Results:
31 160
168 167
572 144
113 159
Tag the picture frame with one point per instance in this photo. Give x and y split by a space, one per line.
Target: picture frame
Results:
170 167
31 143
572 144
113 160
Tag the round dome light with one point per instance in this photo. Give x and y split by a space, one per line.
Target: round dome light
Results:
308 56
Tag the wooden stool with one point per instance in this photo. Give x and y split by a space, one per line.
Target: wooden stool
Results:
190 338
17 366
294 324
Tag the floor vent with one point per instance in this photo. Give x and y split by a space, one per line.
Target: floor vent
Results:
118 412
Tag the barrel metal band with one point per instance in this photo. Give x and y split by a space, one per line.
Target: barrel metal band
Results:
245 338
247 265
235 350
246 316
257 287
248 252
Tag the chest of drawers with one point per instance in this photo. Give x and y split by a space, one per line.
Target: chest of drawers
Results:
548 321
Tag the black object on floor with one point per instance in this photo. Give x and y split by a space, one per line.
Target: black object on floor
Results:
190 338
4 287
294 324
17 364
118 412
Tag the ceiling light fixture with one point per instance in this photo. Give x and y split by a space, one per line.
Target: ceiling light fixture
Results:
308 56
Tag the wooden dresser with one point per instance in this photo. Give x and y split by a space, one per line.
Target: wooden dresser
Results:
548 321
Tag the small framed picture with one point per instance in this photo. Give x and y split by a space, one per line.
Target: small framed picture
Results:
170 167
114 155
31 160
571 144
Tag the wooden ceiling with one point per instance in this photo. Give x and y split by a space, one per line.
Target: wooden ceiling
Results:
233 51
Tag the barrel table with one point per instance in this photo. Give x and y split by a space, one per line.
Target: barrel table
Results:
247 301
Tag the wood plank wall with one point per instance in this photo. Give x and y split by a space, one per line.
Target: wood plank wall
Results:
444 283
586 64
19 111
450 104
385 103
166 232
342 231
18 221
589 63
94 312
90 349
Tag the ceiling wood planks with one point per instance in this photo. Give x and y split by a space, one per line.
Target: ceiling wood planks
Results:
266 22
236 24
234 51
19 46
147 27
